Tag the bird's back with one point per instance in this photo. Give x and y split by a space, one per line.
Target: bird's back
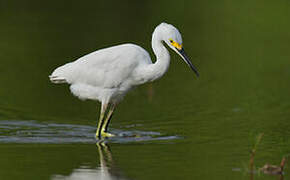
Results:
107 68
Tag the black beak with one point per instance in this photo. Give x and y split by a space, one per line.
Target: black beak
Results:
188 62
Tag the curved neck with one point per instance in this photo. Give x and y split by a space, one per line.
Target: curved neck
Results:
162 56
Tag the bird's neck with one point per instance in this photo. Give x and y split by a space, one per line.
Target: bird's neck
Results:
162 57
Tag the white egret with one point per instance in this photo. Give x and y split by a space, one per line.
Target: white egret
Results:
106 75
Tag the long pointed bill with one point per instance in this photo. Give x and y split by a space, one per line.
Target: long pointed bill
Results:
186 59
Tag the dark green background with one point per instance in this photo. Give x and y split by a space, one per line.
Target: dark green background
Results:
241 49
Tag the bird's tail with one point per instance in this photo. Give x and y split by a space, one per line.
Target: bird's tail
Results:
57 79
62 74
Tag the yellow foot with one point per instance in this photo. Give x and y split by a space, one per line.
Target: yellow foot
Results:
106 134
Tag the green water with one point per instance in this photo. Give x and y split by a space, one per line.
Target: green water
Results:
187 128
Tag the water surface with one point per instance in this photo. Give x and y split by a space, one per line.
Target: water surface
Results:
51 133
178 127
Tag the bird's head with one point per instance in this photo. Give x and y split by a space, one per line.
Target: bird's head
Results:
172 37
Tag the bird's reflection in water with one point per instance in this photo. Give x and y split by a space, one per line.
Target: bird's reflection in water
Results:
106 170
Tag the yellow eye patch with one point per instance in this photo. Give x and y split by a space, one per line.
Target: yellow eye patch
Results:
175 44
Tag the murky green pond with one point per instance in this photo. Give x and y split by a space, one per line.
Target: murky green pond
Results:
178 127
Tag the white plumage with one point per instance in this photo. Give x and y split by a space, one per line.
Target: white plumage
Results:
106 75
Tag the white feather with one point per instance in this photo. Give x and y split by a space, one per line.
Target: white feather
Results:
108 74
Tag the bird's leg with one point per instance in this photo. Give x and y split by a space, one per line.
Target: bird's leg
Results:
101 120
104 130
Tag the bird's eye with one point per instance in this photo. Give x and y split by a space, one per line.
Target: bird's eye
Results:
171 41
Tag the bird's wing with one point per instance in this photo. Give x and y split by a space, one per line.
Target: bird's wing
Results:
107 68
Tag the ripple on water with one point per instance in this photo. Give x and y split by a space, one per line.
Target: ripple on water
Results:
35 132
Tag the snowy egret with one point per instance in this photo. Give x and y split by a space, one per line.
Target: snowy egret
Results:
106 75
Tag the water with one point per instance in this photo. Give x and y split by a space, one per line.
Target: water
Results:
179 127
51 133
